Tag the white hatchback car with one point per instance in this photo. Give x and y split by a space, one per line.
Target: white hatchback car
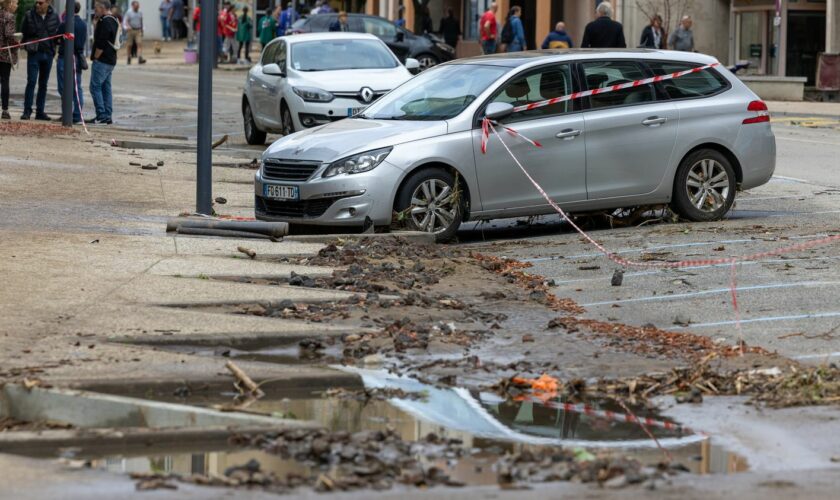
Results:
303 81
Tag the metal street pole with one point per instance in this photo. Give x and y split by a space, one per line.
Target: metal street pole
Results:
206 54
69 71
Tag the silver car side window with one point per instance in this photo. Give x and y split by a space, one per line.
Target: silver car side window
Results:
268 54
701 84
280 55
535 86
600 74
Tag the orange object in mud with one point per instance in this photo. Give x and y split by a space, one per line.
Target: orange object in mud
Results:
545 383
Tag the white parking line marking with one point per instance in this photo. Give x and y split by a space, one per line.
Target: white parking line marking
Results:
817 356
713 292
762 320
662 247
807 140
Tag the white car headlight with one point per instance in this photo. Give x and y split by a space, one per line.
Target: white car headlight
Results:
357 164
313 94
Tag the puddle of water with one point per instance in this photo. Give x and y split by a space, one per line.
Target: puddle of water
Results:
287 355
486 424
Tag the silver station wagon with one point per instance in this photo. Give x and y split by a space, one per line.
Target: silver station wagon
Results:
690 142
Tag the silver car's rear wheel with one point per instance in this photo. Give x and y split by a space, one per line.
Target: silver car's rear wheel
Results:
432 203
707 185
704 187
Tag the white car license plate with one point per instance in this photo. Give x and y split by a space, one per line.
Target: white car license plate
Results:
280 192
354 111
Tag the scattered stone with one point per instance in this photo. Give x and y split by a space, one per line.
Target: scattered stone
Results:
221 200
617 277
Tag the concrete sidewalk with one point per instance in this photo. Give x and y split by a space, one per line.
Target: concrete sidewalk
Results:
804 108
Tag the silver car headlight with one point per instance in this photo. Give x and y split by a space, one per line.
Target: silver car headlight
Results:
357 164
313 94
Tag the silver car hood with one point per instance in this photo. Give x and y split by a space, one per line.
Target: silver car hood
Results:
336 140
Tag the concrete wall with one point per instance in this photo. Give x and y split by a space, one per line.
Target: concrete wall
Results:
777 88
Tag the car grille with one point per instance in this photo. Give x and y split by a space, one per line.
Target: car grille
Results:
358 97
284 170
294 209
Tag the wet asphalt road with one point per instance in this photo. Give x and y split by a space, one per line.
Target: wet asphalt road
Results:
789 303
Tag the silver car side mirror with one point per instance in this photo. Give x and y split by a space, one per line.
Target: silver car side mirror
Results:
498 110
412 64
273 70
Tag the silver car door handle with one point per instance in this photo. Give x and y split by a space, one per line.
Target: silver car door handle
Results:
568 134
654 120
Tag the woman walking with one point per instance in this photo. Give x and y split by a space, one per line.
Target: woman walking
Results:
8 57
652 35
517 32
243 35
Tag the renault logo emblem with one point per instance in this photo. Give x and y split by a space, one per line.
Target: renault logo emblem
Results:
366 94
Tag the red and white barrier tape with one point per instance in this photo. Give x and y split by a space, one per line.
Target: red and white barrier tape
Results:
628 417
68 36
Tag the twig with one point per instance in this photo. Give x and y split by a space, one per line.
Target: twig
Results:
245 381
219 142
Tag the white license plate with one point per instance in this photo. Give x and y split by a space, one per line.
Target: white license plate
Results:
280 192
354 111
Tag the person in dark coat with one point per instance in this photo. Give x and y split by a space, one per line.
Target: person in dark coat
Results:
604 32
80 33
39 22
558 39
341 23
450 28
652 36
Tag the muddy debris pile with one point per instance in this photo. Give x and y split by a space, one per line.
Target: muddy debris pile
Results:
374 394
650 340
772 387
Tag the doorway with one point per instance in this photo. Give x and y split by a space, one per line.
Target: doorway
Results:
805 39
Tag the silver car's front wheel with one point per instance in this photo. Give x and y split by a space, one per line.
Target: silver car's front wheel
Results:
704 188
431 202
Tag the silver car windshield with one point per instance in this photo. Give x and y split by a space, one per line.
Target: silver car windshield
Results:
436 94
334 55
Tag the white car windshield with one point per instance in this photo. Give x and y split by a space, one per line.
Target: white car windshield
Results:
436 94
335 55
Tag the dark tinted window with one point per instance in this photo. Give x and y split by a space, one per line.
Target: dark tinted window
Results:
321 22
603 74
702 83
535 86
268 53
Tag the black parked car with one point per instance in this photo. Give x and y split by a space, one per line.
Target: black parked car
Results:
429 50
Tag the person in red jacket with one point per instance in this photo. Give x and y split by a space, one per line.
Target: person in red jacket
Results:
228 23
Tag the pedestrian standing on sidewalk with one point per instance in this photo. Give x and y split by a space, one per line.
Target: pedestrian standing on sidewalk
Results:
400 21
450 28
243 35
652 35
683 38
104 56
8 57
165 7
39 22
604 33
79 61
287 18
176 20
558 39
268 27
488 27
341 23
515 40
229 26
133 27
